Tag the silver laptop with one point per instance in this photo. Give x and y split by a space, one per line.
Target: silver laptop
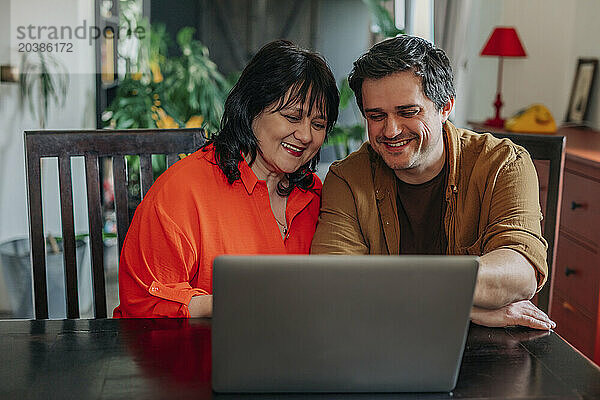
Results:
340 323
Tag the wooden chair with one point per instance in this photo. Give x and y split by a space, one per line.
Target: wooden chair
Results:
91 144
550 148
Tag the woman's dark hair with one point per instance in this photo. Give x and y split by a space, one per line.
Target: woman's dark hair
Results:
277 67
406 53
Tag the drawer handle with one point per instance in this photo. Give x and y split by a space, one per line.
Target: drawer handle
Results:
575 205
569 271
568 306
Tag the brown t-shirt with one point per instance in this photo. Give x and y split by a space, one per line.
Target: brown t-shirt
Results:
421 211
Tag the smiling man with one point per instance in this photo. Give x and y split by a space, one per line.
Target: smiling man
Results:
422 186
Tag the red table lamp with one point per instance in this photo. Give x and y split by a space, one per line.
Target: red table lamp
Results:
503 42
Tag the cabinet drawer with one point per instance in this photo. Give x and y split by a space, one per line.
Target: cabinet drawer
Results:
581 206
572 325
577 274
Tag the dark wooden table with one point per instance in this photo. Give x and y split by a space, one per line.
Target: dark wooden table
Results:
170 359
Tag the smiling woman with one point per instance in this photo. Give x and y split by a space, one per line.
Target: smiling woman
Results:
286 132
281 79
250 190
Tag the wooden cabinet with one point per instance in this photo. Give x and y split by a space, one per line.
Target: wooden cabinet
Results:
576 274
573 325
575 304
581 202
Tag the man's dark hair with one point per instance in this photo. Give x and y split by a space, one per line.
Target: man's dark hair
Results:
277 68
406 53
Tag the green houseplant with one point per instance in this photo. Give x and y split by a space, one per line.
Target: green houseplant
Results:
168 92
43 80
382 19
343 136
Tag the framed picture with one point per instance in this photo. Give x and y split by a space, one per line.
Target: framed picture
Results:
582 90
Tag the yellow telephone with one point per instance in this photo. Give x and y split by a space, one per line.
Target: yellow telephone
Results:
535 119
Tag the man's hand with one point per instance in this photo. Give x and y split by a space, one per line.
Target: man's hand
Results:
523 313
201 306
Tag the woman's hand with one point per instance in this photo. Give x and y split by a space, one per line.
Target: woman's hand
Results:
201 306
523 313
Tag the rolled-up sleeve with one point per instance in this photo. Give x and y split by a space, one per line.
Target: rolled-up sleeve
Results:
157 263
515 218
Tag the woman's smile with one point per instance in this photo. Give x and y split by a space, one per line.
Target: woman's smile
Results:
296 151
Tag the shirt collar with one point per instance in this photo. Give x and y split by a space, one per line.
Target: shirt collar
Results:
249 179
247 176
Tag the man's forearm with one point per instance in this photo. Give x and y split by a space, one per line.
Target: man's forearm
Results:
505 276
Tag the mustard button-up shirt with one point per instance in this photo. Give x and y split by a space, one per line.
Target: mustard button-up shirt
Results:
492 202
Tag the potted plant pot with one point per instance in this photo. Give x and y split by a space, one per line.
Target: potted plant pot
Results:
17 273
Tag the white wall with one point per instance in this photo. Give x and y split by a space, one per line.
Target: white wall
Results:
586 43
554 33
343 36
77 113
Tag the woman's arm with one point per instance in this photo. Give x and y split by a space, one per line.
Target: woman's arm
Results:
157 263
201 306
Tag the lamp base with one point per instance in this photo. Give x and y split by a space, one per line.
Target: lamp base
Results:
495 122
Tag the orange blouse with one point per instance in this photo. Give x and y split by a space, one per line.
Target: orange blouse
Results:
191 215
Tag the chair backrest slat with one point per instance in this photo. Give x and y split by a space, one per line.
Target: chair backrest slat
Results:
147 178
92 178
68 235
553 203
172 158
36 230
553 149
92 145
121 205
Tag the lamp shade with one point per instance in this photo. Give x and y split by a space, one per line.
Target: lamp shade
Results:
504 41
